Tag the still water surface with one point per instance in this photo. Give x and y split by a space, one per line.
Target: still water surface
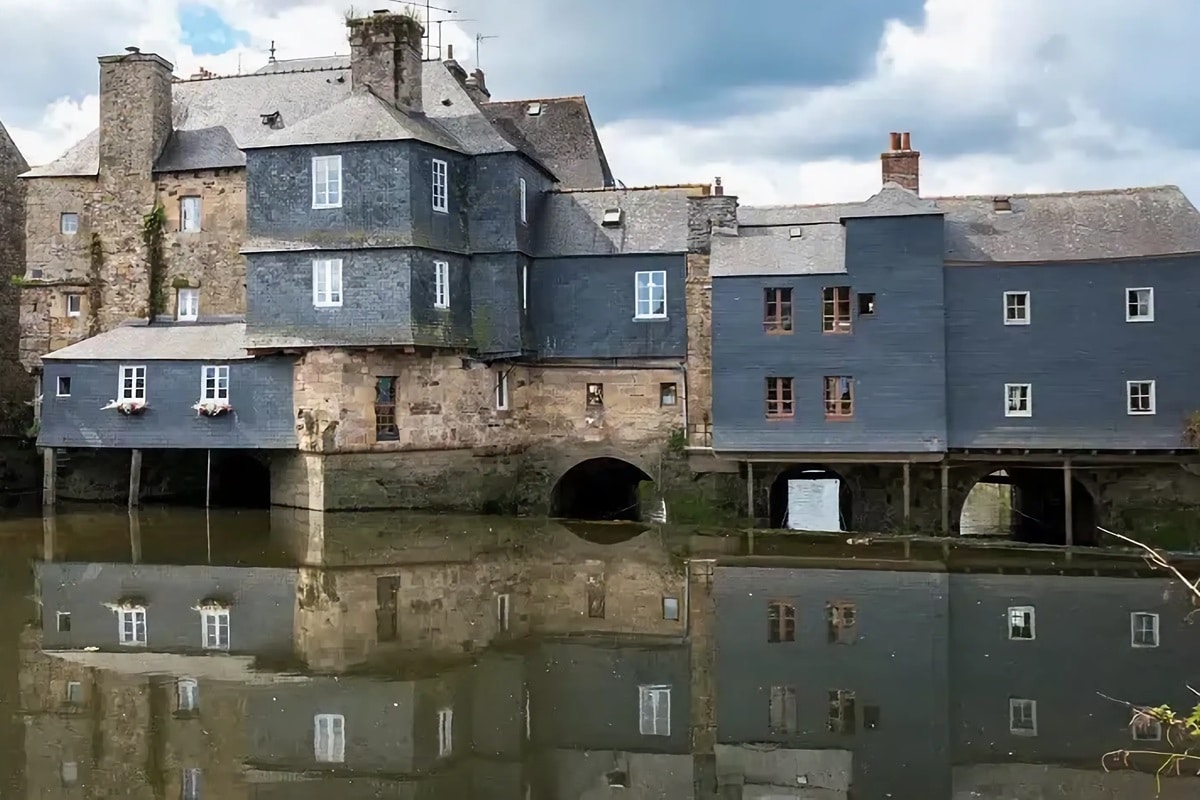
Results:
304 655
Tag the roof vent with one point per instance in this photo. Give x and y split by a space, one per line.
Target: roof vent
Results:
1002 205
534 109
612 217
618 779
795 233
272 120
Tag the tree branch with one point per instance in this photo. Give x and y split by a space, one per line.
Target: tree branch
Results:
1158 561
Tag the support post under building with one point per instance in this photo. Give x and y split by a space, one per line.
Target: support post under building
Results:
135 478
49 476
750 492
907 491
1069 505
945 498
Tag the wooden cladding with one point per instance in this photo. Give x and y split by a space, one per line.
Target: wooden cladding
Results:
780 398
777 310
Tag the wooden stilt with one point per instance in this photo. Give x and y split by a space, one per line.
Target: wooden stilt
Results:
1068 513
208 482
135 478
49 476
750 493
945 498
907 491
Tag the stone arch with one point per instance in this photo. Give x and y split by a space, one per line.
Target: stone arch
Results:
605 485
1036 501
782 485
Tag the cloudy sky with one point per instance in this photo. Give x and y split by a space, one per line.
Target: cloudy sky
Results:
788 101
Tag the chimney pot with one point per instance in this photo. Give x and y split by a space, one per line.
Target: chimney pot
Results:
718 189
894 141
905 142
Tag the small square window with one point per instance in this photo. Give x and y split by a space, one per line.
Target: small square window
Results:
63 386
839 397
1018 400
74 693
68 223
70 773
866 304
214 384
74 305
1021 623
1139 305
780 400
671 608
1016 308
667 394
595 395
502 390
1140 398
63 618
132 387
870 717
188 305
1146 728
189 214
1143 629
1022 716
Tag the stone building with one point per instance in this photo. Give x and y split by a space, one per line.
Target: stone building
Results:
15 386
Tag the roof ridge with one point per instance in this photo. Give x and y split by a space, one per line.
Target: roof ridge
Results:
536 100
1066 193
259 74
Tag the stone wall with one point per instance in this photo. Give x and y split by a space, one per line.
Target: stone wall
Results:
15 385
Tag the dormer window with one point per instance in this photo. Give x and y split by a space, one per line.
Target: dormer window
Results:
272 120
1002 205
612 217
534 109
795 233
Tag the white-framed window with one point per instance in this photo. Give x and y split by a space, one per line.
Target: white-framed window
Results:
191 784
132 621
524 201
1139 304
671 608
214 622
70 773
445 721
524 287
1016 308
329 738
441 284
214 382
62 620
63 386
1139 397
1143 629
75 693
327 282
1146 729
441 185
187 306
502 390
189 214
1018 400
503 607
74 304
1021 623
1022 716
654 710
187 694
650 290
133 384
327 182
68 223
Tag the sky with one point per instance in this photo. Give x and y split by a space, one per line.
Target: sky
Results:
789 102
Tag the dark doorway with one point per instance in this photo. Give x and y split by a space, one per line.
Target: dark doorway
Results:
599 489
240 480
811 497
1028 505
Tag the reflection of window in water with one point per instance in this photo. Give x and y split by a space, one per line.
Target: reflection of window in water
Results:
595 395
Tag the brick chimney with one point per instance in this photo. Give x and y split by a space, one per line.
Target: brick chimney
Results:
385 56
902 164
135 111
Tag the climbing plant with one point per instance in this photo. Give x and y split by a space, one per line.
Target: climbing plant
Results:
153 225
1191 429
95 292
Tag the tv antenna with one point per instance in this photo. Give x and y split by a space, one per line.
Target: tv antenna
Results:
479 37
428 22
439 22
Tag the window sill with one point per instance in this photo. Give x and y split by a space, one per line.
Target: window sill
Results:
1141 413
1139 319
1016 323
1018 416
441 211
778 332
440 308
839 417
663 318
325 207
327 305
780 417
840 332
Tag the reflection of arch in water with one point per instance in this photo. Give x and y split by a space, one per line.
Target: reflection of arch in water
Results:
601 488
1028 505
605 533
817 492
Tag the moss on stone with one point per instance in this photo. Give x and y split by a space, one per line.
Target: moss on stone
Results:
1168 527
153 225
95 292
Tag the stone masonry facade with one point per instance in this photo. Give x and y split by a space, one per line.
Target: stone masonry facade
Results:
15 386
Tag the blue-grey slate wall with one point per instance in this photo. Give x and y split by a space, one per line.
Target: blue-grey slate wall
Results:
583 307
260 391
896 356
494 215
1077 353
898 663
262 605
497 317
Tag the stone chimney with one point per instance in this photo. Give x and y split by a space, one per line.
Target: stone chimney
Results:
385 57
135 111
902 164
454 67
477 87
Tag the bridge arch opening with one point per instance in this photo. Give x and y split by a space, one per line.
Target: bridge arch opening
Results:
240 479
599 489
1028 505
811 498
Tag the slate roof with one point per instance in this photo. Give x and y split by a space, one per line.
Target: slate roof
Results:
562 135
199 341
820 248
654 220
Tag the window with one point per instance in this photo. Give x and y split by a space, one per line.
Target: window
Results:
68 223
1139 305
777 310
329 738
70 773
1143 629
63 387
327 182
781 622
654 706
1146 728
188 305
866 304
1018 400
870 717
835 310
1021 623
667 394
650 289
502 390
445 731
189 214
74 305
441 186
441 284
524 202
780 400
1016 308
1022 716
386 429
1140 396
671 608
133 384
191 784
214 384
215 625
840 618
327 282
503 602
839 397
595 395
74 693
841 712
524 287
133 625
782 709
63 618
187 695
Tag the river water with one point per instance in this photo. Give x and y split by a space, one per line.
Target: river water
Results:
285 654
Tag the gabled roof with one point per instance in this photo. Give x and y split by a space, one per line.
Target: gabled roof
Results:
196 341
654 219
7 145
562 134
